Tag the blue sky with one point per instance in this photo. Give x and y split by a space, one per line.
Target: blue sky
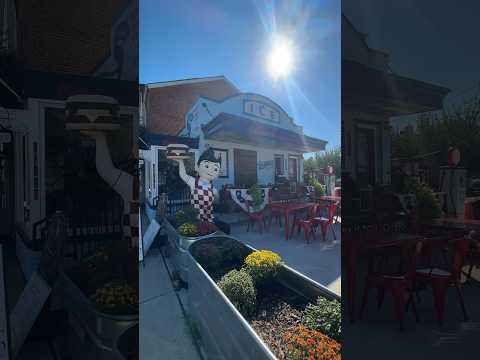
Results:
197 38
435 42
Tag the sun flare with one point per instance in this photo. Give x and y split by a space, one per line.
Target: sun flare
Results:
280 59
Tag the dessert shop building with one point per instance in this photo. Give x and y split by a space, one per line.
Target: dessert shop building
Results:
257 141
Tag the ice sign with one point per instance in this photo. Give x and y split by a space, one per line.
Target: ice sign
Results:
261 110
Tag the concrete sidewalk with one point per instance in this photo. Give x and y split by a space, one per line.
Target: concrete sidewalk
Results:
164 332
320 260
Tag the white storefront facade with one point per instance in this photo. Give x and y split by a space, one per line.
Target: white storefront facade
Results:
258 142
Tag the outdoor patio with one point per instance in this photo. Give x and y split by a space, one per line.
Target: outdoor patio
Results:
456 339
319 260
164 309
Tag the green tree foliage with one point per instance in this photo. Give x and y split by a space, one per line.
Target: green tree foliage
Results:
323 159
457 126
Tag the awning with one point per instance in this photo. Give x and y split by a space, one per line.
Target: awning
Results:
378 92
148 139
232 128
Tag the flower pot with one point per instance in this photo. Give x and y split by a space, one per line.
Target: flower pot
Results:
178 246
103 329
224 332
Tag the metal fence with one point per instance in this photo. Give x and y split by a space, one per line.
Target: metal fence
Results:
98 227
177 201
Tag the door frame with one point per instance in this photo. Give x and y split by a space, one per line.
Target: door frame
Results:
297 171
236 151
365 125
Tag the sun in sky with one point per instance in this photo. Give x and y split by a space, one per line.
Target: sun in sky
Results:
280 59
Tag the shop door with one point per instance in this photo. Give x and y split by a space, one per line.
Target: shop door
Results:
365 157
6 184
293 168
245 167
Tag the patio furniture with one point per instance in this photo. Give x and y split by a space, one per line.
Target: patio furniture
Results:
440 279
255 217
244 201
350 244
331 199
327 222
472 208
287 209
473 257
306 224
401 283
380 247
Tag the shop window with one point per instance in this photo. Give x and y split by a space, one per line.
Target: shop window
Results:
279 165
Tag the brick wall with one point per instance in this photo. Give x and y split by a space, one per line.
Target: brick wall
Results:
65 36
167 106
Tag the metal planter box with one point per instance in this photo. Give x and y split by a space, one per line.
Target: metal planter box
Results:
103 329
224 332
178 248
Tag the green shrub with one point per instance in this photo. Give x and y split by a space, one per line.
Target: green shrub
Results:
186 215
262 265
319 189
324 316
427 205
256 194
239 288
232 251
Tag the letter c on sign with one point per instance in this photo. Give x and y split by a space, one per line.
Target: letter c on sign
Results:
261 110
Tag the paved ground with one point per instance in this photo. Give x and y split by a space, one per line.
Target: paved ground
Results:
319 260
379 335
164 333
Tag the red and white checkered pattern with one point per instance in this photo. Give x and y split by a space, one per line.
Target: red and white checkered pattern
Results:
202 199
131 220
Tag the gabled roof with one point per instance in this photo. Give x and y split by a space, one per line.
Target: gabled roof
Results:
168 102
190 81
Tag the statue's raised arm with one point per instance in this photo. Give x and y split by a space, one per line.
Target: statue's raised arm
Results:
202 191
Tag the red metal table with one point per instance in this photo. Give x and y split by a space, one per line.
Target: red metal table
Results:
457 223
330 198
288 208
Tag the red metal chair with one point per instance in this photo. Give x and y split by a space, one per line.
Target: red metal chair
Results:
350 242
399 283
440 280
306 224
473 257
326 222
255 217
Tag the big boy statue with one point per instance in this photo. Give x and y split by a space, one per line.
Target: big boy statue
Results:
203 193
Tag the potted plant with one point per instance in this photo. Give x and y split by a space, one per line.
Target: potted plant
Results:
183 229
252 306
255 193
427 206
101 293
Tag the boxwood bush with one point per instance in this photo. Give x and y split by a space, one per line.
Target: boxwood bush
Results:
324 316
239 288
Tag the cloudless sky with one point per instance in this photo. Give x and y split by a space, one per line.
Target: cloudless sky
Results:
187 39
432 41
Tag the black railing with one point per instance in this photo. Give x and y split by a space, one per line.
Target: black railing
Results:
177 201
98 227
